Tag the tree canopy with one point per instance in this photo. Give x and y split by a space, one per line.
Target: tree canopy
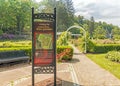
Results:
15 18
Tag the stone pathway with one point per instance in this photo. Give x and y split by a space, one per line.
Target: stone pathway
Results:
90 74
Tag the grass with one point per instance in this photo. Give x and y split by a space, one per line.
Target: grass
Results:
110 66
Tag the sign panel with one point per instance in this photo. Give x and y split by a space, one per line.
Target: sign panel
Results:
43 44
43 38
43 26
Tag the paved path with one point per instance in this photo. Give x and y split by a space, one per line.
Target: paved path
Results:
90 74
80 71
21 76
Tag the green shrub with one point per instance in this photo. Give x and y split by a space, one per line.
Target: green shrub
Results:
15 44
113 56
64 53
62 40
93 47
104 48
26 49
89 45
1 32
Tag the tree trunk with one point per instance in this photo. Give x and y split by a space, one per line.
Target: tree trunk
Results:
18 24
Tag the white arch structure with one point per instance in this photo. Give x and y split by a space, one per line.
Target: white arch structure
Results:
84 33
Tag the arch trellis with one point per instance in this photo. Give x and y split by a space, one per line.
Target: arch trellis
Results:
84 33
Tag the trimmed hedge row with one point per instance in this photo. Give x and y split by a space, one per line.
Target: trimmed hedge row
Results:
106 48
64 52
101 48
27 50
15 44
113 56
68 51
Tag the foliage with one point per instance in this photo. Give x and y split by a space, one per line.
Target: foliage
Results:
91 27
113 56
110 66
90 46
99 29
62 40
97 47
65 12
100 48
99 33
15 16
1 32
64 53
16 46
105 41
116 33
8 44
27 50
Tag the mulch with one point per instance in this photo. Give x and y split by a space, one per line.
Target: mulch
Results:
49 82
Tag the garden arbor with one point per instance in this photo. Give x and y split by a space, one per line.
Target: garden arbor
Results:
84 33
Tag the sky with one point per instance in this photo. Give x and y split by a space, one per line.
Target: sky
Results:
101 10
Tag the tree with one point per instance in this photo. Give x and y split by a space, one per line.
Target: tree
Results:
15 15
108 28
80 20
99 33
116 33
91 27
22 14
65 12
69 7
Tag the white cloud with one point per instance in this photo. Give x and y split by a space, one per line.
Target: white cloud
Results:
104 10
101 10
38 0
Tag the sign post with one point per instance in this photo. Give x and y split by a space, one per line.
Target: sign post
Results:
43 44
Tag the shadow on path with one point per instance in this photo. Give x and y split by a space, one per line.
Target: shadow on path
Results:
67 83
59 82
77 53
74 60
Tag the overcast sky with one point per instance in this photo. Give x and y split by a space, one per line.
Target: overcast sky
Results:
101 10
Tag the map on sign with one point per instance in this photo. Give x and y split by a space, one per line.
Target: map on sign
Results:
44 41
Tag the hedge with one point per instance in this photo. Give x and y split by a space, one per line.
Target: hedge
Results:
106 48
67 50
27 50
113 56
64 53
101 48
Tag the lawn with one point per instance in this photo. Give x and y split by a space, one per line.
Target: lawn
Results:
110 66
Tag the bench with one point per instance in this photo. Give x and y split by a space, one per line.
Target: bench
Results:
13 56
